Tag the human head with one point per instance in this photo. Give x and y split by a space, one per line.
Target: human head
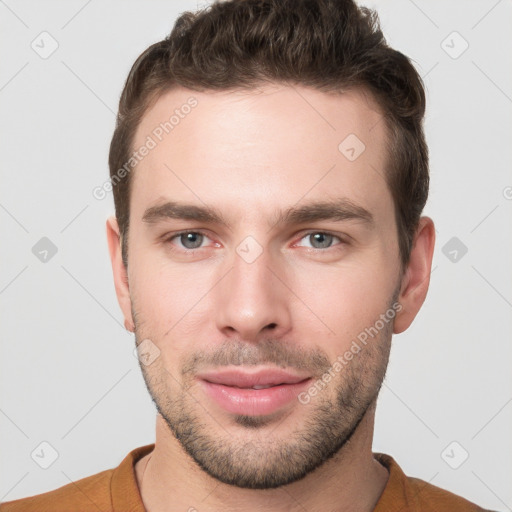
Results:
261 158
329 45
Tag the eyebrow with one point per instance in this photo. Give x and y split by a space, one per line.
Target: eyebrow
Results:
338 210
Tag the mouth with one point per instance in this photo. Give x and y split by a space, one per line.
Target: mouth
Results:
255 393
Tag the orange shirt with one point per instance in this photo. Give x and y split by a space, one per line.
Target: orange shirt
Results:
116 490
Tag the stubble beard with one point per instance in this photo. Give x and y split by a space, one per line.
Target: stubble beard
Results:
262 452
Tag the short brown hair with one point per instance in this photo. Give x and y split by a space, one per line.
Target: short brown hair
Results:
329 45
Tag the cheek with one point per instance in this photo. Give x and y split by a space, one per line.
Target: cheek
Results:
170 300
346 300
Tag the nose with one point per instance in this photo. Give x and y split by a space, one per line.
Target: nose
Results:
252 300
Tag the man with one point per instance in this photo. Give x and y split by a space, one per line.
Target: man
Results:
269 171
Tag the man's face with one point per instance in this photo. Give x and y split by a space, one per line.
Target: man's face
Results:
256 297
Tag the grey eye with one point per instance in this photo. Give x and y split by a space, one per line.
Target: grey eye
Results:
191 240
320 240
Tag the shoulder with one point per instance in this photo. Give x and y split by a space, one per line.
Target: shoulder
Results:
90 493
430 497
403 492
109 490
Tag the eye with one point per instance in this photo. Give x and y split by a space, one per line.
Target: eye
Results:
320 239
188 240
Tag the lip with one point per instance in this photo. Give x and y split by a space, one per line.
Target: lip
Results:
248 379
232 389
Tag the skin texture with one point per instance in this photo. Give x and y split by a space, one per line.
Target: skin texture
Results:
300 304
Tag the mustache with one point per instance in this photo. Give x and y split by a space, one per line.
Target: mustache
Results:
239 353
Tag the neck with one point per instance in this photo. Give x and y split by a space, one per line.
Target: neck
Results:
169 479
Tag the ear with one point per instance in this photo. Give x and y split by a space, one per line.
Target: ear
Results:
416 278
120 272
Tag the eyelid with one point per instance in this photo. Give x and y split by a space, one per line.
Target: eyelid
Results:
302 235
339 236
172 236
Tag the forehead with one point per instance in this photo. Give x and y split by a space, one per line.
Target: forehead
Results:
261 148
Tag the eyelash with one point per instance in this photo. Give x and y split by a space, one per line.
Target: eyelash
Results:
199 232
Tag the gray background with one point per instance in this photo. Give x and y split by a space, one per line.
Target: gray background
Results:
68 375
